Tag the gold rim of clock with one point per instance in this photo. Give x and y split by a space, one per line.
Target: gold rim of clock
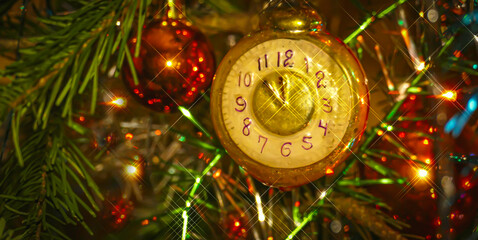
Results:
287 177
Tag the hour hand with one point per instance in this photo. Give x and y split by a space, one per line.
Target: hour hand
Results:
274 91
284 89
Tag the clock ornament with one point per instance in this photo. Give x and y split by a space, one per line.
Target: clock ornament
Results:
290 101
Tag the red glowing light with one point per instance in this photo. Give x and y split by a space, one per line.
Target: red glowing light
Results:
82 119
145 222
157 132
128 136
329 171
297 204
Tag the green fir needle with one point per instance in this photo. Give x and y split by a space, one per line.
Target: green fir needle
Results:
193 191
191 118
369 20
310 216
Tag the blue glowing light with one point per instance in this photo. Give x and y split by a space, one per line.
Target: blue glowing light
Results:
472 104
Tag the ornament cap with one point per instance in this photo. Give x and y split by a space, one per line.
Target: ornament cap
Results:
173 9
291 15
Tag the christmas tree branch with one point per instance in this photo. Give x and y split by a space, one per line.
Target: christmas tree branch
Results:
40 177
371 19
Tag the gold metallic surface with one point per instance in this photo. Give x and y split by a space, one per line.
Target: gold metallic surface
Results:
284 103
278 24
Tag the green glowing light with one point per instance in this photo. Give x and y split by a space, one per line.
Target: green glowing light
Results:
191 118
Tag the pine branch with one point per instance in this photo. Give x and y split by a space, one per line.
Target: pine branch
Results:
45 167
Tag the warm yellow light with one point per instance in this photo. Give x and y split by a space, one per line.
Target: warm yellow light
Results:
450 95
421 14
131 170
118 102
260 211
421 66
169 63
422 173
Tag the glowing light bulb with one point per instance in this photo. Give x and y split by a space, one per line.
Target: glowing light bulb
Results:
169 63
449 95
131 170
420 66
422 173
118 102
329 171
129 136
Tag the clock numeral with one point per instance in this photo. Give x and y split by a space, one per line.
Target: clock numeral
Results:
324 127
247 124
320 75
259 62
288 55
327 105
247 79
263 145
278 59
305 140
241 102
284 150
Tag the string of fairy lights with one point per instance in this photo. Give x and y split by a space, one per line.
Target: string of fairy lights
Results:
422 170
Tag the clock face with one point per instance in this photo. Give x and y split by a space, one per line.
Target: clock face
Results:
286 103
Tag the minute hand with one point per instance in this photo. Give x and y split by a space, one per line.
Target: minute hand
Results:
274 91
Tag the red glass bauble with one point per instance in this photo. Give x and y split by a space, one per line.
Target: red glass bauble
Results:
175 65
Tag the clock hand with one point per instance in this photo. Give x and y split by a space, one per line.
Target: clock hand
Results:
285 88
273 91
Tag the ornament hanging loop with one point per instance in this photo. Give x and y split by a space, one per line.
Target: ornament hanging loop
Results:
173 9
291 15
